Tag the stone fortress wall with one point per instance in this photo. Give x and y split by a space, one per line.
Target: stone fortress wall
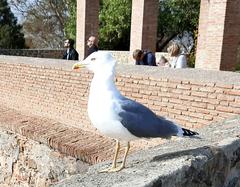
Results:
123 57
49 89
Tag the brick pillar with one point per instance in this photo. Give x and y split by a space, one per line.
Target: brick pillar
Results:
144 25
87 23
219 34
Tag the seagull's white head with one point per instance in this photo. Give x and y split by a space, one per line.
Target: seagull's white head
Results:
100 62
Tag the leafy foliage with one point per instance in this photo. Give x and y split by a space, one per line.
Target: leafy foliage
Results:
44 21
192 55
10 32
48 22
175 17
70 25
115 23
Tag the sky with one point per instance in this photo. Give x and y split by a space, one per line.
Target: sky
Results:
16 14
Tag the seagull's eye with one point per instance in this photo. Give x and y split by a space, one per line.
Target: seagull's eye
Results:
92 59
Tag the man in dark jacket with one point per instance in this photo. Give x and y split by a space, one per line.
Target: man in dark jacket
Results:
70 53
92 45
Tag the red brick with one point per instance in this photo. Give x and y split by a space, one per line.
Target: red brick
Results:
224 103
184 87
212 95
199 94
207 89
211 101
225 97
236 87
219 90
181 107
224 109
199 105
234 104
232 92
219 85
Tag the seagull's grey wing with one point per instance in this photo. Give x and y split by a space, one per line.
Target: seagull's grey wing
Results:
142 122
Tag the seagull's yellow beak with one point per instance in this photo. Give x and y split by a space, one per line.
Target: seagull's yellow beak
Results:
79 65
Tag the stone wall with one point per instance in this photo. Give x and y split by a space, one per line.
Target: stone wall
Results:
212 160
41 53
24 162
123 57
50 88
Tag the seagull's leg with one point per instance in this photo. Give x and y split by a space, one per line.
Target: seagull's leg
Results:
114 163
124 160
116 154
125 156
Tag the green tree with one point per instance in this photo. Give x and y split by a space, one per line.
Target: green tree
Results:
115 23
10 32
175 17
70 26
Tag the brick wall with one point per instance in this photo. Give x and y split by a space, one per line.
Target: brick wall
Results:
50 88
219 35
41 53
144 24
87 23
121 56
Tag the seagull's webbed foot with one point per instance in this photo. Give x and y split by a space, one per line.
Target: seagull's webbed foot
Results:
114 168
107 170
111 169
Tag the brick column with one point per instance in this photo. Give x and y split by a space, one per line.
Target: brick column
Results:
144 24
219 34
87 23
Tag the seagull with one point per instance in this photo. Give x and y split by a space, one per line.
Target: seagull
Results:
119 117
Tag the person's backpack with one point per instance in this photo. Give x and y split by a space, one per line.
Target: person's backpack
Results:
149 58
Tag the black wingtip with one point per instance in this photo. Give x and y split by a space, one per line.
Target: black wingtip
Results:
187 132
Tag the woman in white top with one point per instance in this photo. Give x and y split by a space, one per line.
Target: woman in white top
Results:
178 60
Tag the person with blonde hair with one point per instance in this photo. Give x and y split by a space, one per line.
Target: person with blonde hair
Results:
179 60
163 61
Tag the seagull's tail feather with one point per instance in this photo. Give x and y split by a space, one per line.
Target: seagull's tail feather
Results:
187 132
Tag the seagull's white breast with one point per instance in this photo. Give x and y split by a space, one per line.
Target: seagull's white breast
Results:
103 111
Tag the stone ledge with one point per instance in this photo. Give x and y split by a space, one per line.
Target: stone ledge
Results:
86 146
187 74
24 162
213 160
